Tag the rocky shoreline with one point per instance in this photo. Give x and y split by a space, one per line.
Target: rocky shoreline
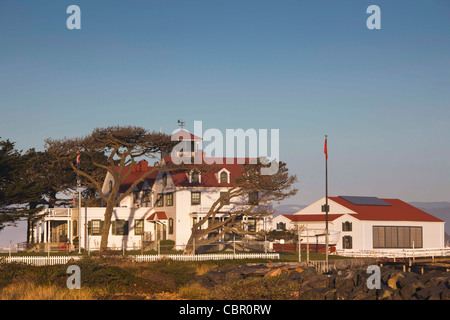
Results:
348 283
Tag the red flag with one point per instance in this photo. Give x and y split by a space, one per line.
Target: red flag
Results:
325 149
73 198
78 159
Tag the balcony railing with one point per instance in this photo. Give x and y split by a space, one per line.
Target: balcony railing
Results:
62 213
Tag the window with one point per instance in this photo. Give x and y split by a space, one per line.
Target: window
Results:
195 198
136 197
119 227
346 226
146 197
251 224
170 226
223 177
195 177
397 237
75 228
347 242
95 227
169 199
159 200
253 198
139 227
110 184
164 179
281 226
225 197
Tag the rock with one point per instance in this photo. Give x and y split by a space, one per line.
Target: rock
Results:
317 294
385 294
343 284
232 276
431 293
436 282
294 275
408 291
308 272
408 279
427 276
393 279
216 277
386 274
276 272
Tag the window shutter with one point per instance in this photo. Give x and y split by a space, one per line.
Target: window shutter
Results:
101 226
89 227
113 227
125 228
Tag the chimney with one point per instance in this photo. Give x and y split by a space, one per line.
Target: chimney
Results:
144 165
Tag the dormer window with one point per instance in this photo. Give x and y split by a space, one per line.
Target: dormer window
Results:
223 177
195 176
164 179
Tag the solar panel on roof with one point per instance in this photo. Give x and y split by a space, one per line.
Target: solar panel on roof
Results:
365 201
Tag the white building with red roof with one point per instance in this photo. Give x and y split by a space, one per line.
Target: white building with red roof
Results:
366 223
162 207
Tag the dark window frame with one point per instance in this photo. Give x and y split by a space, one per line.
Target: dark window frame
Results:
195 203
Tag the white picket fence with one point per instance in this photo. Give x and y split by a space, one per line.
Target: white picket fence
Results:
54 260
204 257
40 261
396 253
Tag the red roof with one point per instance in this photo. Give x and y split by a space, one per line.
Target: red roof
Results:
209 178
397 211
184 135
310 217
137 171
158 215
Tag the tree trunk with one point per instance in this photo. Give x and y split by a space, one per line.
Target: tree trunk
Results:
106 225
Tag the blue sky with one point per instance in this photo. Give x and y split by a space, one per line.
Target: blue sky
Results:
307 68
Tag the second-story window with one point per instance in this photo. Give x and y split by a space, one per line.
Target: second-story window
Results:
146 197
225 197
135 197
169 199
159 200
195 198
253 198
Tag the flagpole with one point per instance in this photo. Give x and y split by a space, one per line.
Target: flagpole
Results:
79 201
326 202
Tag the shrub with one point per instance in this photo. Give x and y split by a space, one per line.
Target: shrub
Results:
167 244
30 291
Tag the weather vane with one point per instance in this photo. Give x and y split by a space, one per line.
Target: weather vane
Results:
181 123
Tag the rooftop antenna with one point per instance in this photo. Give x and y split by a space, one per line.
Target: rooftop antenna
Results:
181 123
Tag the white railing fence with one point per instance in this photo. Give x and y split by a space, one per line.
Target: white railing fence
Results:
395 253
54 260
40 261
204 257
